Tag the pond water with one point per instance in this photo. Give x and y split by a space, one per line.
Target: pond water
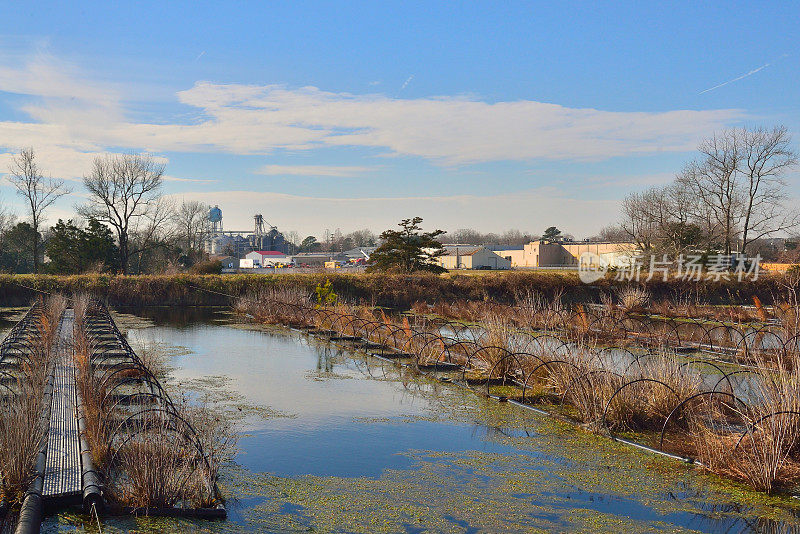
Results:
338 441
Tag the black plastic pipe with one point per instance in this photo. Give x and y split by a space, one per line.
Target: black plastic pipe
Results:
91 480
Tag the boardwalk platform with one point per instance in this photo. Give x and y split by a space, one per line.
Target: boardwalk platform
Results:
62 478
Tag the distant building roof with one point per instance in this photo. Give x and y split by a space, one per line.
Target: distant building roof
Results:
269 252
462 250
496 247
357 252
312 254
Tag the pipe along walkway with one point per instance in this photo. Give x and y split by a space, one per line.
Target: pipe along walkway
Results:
64 475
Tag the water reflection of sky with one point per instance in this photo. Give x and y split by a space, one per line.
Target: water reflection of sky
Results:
326 433
343 424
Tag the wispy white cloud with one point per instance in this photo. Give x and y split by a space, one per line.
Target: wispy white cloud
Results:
313 170
168 178
448 130
743 76
627 181
59 161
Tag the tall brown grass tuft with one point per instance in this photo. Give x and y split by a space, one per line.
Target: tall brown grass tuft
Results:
584 383
153 467
165 462
496 340
633 298
20 437
658 385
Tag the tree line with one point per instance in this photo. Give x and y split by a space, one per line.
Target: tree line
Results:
129 225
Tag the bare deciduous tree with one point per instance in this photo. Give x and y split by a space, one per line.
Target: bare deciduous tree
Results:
767 155
155 231
640 217
125 193
191 219
38 191
715 182
6 220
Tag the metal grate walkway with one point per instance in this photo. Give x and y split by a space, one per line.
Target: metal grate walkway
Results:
63 468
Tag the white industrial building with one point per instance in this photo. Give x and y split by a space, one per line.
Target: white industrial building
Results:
262 258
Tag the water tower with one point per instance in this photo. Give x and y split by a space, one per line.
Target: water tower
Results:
215 218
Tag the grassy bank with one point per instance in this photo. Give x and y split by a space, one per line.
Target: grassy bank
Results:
394 290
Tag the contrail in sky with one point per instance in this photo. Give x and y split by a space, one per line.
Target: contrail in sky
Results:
762 67
405 83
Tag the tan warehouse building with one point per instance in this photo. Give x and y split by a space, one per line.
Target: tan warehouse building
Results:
471 257
565 254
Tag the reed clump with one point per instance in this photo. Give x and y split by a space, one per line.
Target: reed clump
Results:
275 305
165 461
151 470
633 298
20 437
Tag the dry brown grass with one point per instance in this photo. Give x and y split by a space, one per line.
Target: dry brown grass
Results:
269 305
21 424
90 389
632 298
153 468
165 462
583 383
496 341
20 438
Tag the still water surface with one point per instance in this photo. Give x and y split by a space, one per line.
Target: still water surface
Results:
339 441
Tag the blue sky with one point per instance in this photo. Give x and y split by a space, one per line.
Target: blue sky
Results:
350 115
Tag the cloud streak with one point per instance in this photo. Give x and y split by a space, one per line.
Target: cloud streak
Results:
313 170
168 178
